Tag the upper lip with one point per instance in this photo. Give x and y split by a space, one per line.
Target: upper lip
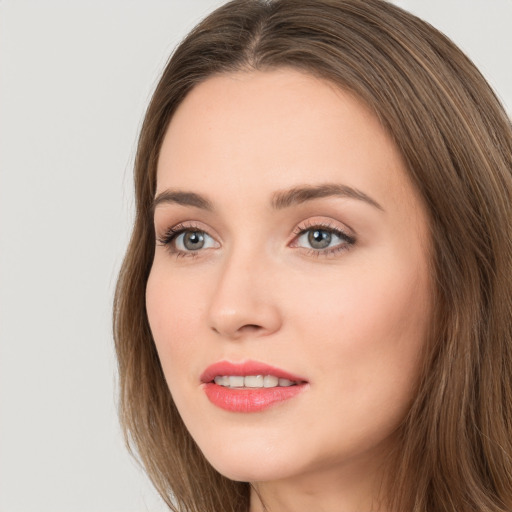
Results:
245 368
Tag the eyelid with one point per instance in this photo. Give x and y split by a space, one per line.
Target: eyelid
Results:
346 235
324 223
188 225
170 234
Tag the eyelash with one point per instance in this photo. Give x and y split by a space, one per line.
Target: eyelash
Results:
348 241
172 233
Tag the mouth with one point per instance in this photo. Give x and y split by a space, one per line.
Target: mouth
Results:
253 381
249 386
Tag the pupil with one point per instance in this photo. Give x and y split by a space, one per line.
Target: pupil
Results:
193 240
319 239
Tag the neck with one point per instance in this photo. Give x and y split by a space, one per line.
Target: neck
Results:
328 490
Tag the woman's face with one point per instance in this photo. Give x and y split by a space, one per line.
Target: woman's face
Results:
291 245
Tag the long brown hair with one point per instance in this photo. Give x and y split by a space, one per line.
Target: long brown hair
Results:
455 445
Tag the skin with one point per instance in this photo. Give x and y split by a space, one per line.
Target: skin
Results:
351 319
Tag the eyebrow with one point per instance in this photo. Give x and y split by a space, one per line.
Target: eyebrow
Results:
301 194
183 198
280 200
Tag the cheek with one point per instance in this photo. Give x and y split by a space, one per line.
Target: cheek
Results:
372 324
173 316
173 311
385 298
387 311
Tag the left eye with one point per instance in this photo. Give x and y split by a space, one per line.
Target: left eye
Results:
193 240
321 238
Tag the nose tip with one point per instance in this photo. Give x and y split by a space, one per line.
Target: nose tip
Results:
245 321
243 305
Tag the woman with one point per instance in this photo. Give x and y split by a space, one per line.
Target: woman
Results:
314 309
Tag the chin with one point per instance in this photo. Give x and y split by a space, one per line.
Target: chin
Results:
243 467
253 473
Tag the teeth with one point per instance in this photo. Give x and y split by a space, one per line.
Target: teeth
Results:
252 381
224 381
236 382
269 381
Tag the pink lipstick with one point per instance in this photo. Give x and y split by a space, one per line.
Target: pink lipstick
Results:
249 386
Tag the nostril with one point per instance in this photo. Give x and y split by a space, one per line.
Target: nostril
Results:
246 329
250 327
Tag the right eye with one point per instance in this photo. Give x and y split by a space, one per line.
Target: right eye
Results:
193 241
187 241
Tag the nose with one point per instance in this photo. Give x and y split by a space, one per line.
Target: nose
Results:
244 303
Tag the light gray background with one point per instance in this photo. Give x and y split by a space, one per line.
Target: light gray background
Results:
75 78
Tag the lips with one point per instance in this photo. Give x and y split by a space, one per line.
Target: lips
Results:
244 369
249 386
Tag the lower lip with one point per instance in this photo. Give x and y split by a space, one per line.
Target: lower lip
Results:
249 400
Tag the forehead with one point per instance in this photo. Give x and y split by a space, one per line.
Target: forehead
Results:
256 132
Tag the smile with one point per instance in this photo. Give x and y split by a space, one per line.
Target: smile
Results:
249 386
252 381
